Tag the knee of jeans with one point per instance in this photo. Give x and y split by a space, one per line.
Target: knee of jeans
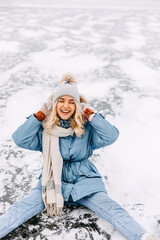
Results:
111 204
25 204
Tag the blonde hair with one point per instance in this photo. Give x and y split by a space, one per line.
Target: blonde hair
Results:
77 121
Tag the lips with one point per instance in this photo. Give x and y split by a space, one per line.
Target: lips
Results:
65 112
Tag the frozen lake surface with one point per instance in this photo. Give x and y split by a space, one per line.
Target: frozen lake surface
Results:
114 51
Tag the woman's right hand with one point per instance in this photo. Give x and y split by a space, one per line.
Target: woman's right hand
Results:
45 110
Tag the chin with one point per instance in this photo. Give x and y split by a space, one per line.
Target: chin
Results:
65 117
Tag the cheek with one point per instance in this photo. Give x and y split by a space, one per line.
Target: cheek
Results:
58 111
73 108
58 107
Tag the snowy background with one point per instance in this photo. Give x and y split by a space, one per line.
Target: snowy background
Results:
113 48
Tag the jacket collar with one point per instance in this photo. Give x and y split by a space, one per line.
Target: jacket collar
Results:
65 123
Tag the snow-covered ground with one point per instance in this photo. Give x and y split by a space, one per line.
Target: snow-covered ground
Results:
113 48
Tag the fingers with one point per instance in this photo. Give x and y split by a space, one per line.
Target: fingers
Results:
87 113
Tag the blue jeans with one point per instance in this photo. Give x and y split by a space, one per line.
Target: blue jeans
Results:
99 202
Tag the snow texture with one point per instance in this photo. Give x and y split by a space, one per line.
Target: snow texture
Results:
113 48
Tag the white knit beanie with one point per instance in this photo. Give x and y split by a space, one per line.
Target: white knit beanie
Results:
68 87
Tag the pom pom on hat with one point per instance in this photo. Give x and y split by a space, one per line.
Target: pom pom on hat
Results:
69 78
68 87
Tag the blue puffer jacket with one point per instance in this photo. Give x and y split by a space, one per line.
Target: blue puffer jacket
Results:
80 176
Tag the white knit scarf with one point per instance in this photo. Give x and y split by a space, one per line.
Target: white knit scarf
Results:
52 170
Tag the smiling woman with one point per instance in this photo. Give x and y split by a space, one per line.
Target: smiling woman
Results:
67 132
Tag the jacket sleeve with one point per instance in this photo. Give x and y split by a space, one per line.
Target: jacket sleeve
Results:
103 133
29 134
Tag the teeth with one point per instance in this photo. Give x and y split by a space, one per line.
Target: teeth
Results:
65 111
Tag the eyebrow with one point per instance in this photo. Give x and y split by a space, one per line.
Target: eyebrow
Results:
69 99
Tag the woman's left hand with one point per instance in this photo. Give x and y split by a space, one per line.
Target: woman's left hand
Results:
86 112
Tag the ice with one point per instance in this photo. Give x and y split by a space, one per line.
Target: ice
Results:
144 75
112 47
60 61
9 46
31 33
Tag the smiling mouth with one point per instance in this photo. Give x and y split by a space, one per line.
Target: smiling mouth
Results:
65 112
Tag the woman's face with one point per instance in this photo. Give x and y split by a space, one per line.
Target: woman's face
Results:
65 107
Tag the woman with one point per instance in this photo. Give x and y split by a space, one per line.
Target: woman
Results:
68 132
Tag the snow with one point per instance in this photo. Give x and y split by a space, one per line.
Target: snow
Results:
113 50
60 61
10 46
143 75
31 33
83 4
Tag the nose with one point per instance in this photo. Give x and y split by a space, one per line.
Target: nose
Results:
66 105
